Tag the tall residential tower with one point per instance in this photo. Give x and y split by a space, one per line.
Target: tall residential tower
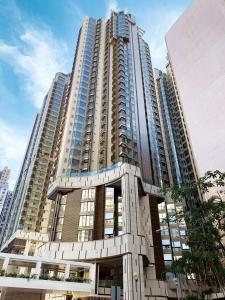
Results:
30 207
4 185
114 151
109 142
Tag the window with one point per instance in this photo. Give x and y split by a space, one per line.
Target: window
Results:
109 222
167 256
84 235
165 242
183 232
164 230
108 231
90 206
162 216
109 192
58 236
184 246
109 205
176 244
60 221
108 215
88 194
62 207
170 207
174 232
86 221
119 207
120 220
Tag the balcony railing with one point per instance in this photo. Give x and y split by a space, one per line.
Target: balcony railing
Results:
114 166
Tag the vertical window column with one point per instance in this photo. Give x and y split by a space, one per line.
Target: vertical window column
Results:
86 221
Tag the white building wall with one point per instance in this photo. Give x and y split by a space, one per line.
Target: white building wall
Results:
196 47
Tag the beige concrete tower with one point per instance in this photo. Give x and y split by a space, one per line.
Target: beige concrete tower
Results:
111 152
112 114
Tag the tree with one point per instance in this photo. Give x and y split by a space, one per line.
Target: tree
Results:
205 221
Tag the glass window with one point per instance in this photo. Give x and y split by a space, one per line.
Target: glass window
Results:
91 206
86 221
120 207
162 216
109 192
109 204
84 194
82 221
170 207
164 230
89 221
60 221
108 230
182 232
166 242
108 216
91 193
88 194
84 235
176 243
174 232
58 236
83 207
62 207
167 256
109 222
185 246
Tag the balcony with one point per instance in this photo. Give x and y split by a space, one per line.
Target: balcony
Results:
38 274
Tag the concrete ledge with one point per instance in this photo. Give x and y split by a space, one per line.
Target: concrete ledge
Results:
10 282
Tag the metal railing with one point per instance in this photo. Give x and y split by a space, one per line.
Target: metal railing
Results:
80 174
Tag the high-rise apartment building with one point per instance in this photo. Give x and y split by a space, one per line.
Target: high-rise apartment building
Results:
4 185
5 215
197 65
4 176
30 207
116 136
112 112
180 163
5 199
117 143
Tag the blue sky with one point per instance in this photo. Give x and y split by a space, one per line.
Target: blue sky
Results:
37 39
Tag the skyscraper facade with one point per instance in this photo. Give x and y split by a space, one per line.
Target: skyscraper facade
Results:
116 123
4 185
109 159
5 215
180 163
197 64
30 207
107 138
112 111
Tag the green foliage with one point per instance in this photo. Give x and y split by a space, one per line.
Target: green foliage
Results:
77 279
23 276
205 220
33 276
48 277
10 274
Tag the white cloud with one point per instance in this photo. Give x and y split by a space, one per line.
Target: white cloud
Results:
12 148
112 5
35 58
